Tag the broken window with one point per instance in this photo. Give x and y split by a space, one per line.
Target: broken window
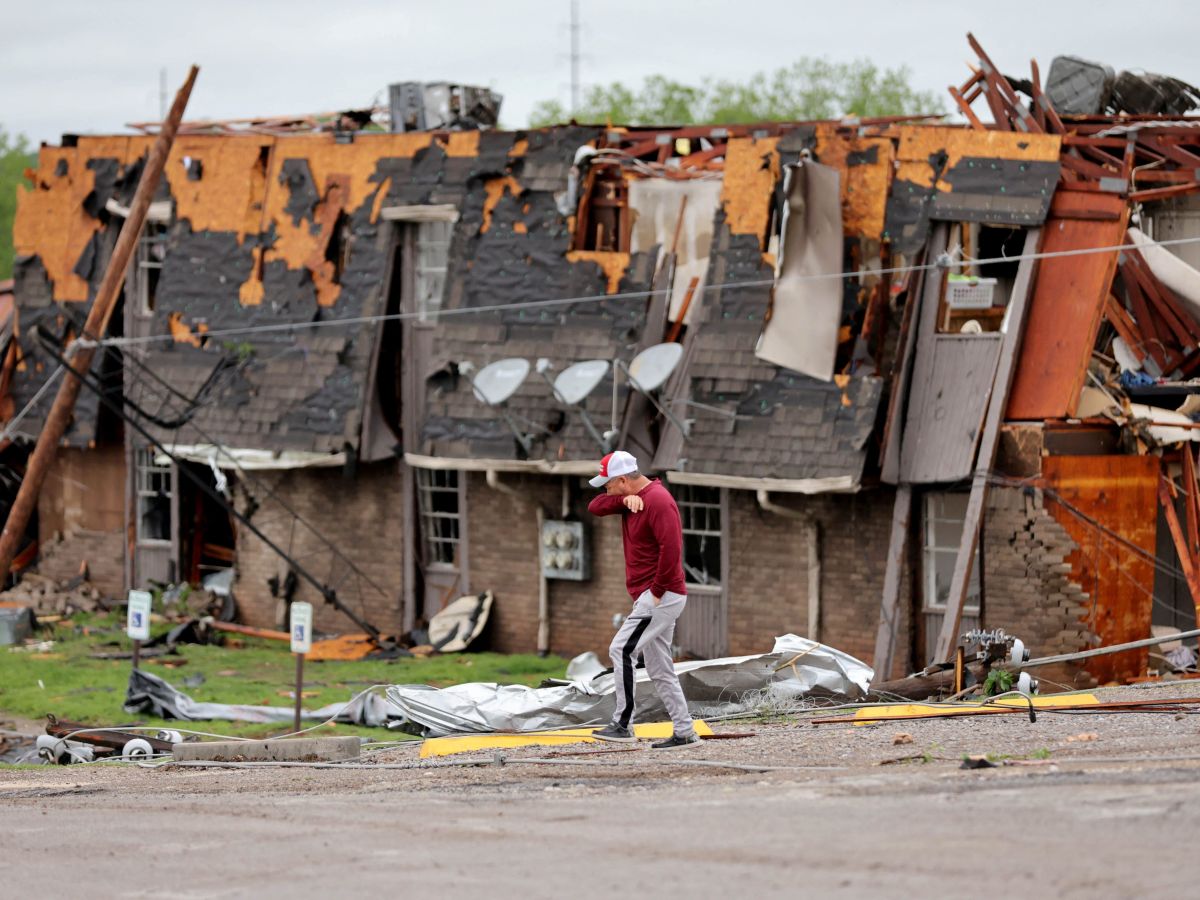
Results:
945 514
151 251
975 299
700 512
441 515
155 485
432 240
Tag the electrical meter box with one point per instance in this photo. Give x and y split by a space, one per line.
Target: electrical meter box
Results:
565 551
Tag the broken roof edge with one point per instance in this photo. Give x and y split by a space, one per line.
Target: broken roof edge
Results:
536 466
837 484
249 459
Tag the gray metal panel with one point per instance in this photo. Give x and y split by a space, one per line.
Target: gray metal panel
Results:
945 413
702 632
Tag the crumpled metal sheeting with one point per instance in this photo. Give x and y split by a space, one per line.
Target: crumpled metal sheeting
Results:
796 667
152 695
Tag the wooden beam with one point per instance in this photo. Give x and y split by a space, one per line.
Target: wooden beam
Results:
1116 314
1186 561
1193 500
988 443
889 608
965 108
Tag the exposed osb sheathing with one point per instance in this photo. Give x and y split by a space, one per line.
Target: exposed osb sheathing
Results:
865 166
494 190
614 265
355 162
51 220
228 195
751 170
920 145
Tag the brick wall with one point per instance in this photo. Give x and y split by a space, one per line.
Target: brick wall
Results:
1028 590
362 517
768 583
81 514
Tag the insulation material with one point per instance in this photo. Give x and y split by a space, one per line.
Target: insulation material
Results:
1169 427
802 332
796 667
1172 271
655 205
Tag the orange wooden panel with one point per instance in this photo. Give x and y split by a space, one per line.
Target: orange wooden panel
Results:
1119 494
1068 299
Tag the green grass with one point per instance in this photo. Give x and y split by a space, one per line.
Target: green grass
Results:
71 685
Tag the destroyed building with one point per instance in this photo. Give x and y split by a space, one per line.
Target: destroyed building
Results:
850 348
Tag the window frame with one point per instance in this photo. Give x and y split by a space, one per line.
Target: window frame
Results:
149 477
431 519
930 548
689 504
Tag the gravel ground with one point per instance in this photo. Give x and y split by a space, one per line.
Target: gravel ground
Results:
828 809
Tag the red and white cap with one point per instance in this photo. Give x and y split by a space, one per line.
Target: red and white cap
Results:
616 463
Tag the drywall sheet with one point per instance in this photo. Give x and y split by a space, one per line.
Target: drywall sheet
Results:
802 333
656 203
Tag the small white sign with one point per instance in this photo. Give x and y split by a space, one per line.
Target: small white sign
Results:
301 620
137 622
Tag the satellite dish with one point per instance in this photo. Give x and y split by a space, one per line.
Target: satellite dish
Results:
498 381
653 366
576 382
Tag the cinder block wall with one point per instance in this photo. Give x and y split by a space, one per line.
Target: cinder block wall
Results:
362 517
1028 590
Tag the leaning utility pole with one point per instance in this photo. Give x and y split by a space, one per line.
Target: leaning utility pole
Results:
81 355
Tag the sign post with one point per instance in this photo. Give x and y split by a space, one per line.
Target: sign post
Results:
301 630
137 621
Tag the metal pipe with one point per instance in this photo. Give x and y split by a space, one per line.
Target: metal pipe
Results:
812 543
1104 651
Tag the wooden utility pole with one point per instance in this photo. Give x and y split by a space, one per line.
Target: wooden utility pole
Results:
94 329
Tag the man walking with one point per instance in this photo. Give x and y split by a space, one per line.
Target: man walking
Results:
653 537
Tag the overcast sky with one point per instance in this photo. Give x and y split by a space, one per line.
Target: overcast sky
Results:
88 66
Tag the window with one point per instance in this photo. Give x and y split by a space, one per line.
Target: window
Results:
441 515
944 516
432 252
700 511
151 251
155 485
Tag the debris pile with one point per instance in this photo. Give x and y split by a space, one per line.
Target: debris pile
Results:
49 597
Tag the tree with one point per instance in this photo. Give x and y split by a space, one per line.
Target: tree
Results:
15 156
810 88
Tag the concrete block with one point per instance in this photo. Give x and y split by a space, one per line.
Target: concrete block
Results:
323 749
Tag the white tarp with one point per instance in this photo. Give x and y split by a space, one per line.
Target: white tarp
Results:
1171 271
802 333
655 205
796 667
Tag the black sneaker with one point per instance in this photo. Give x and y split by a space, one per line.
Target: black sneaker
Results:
676 741
614 733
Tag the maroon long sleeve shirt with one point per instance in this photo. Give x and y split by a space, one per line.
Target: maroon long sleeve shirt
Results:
653 540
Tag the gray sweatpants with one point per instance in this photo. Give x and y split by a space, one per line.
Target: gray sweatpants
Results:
648 630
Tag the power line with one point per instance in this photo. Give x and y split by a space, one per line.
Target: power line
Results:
942 263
